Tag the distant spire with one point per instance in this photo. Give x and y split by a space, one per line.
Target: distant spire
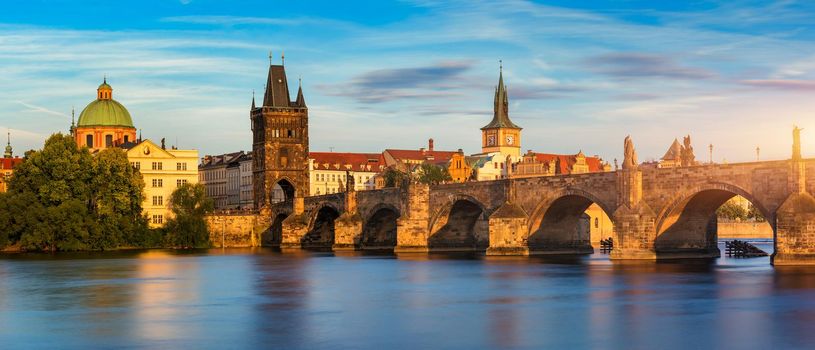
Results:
105 79
9 152
283 58
253 98
301 101
73 123
270 57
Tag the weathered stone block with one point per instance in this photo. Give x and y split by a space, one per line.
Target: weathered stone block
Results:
508 231
347 232
634 233
795 231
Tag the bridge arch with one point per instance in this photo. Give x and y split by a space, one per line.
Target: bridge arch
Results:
688 223
321 227
462 223
560 222
379 228
283 191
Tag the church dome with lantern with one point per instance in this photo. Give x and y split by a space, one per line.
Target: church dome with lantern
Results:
104 122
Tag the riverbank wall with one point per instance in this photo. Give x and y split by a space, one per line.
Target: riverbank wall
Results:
743 230
236 230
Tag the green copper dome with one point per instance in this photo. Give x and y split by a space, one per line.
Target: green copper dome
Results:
105 111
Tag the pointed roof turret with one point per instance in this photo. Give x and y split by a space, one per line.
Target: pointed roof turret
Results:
673 152
500 117
277 87
300 101
253 99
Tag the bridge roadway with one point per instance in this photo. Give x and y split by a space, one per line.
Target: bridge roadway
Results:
658 213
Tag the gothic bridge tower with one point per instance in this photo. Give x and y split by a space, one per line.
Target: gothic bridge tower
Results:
280 143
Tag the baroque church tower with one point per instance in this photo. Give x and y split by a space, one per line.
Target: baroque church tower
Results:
279 142
501 134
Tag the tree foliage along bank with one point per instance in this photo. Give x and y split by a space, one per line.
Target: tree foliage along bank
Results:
64 198
187 228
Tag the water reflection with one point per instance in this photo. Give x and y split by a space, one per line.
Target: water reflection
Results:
267 299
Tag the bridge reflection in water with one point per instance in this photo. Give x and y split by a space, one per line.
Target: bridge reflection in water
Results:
369 300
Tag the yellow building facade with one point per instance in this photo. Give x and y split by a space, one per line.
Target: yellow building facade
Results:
163 171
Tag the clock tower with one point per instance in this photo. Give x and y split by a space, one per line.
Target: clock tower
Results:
501 134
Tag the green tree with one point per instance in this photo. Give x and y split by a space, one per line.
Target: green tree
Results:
394 177
732 211
755 214
187 229
117 198
433 174
57 173
64 198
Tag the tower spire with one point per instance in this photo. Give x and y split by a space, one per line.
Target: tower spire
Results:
253 98
270 57
9 152
282 58
501 104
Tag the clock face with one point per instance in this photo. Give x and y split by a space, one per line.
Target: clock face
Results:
491 140
510 139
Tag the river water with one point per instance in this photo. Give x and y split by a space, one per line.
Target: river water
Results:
264 299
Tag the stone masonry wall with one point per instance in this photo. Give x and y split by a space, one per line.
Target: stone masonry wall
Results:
236 230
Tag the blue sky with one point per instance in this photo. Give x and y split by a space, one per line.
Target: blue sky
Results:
581 75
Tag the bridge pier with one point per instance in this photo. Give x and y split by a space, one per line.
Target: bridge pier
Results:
634 233
508 231
412 228
795 231
295 226
347 231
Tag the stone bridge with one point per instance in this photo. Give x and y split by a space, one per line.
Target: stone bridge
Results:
657 213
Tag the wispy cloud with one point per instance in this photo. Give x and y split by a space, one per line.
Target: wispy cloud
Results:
383 85
636 65
782 84
40 109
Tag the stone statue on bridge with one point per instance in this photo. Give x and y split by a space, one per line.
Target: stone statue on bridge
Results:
630 155
796 142
350 183
686 154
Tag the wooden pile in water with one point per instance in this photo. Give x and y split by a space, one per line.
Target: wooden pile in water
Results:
742 249
606 245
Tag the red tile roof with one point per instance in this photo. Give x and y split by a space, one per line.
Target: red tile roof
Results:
10 163
421 155
568 160
372 162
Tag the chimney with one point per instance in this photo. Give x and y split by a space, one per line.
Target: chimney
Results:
430 145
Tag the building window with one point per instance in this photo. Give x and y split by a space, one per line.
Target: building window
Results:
158 182
136 165
108 140
127 139
158 200
158 219
89 141
596 222
180 182
180 166
157 166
